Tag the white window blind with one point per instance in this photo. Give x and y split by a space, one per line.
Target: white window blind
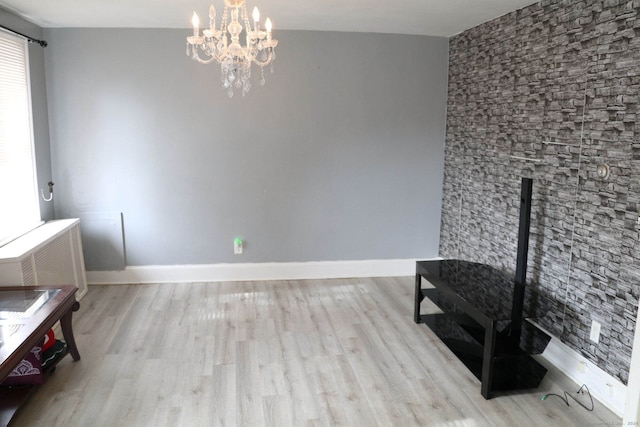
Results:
19 208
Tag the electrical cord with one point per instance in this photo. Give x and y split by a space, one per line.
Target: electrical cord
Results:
566 397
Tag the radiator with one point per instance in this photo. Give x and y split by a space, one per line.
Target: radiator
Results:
49 255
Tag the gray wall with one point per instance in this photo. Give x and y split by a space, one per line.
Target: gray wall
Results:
338 157
557 82
39 104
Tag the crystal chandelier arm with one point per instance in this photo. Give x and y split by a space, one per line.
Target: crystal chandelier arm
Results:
211 47
267 61
194 48
196 57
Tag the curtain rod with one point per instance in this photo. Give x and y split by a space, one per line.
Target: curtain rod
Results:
42 43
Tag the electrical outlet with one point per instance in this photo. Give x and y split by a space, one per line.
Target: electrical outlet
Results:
595 331
237 246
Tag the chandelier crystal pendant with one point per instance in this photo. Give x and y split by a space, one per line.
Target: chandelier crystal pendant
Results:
223 45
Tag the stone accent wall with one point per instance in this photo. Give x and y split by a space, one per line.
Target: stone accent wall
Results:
550 92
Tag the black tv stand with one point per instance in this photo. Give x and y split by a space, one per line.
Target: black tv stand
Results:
482 319
476 323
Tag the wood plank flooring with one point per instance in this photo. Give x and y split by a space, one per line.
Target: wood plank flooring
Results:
295 353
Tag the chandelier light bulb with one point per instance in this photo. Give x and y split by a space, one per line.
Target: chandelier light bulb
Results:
256 16
196 24
212 18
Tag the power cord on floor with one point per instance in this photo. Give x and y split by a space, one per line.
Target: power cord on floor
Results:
566 397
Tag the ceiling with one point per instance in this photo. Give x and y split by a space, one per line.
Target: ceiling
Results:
425 17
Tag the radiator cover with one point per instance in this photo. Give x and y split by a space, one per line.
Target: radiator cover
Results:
49 255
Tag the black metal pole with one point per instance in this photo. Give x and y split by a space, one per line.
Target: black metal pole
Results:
521 260
29 39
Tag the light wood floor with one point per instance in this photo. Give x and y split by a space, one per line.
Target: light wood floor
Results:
298 353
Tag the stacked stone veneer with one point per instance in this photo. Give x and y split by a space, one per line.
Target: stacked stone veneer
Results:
549 92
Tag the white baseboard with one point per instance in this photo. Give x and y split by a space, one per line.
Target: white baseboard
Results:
254 271
608 390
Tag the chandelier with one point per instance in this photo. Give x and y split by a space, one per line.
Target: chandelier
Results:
223 45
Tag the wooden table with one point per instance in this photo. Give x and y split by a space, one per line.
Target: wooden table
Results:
41 307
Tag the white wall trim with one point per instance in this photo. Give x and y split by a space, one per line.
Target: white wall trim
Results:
254 271
632 409
606 389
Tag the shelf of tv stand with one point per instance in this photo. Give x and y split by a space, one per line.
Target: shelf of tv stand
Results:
476 323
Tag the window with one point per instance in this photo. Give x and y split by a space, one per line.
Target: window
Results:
19 204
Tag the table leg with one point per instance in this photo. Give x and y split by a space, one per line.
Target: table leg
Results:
487 359
418 299
67 331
